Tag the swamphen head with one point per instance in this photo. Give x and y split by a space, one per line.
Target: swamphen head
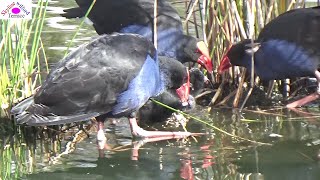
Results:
195 51
237 55
176 77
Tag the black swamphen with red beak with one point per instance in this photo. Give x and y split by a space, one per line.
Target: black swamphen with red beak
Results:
111 76
136 16
287 47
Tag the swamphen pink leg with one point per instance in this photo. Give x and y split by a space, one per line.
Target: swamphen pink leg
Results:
101 139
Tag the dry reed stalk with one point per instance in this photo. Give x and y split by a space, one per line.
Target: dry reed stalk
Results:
217 94
203 16
195 24
269 11
186 15
260 20
226 99
238 19
239 90
190 13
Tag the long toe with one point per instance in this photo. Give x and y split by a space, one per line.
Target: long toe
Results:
139 132
304 100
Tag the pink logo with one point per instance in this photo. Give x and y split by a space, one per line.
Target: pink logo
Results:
15 10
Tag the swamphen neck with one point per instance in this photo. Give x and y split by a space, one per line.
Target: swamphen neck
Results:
287 47
136 16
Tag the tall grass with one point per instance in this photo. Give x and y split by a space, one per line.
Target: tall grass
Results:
22 63
22 57
15 157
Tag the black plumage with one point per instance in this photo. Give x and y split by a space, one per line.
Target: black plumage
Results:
111 76
287 47
136 16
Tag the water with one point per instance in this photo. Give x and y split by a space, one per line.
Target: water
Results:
288 141
288 148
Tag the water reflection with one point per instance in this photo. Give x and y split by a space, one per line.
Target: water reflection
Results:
58 31
162 160
294 153
286 160
56 22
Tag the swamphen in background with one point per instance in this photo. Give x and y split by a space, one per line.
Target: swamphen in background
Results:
287 47
136 16
111 76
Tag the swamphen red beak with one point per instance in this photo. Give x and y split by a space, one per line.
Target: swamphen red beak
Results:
184 91
204 60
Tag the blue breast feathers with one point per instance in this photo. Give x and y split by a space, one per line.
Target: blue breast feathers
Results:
145 85
138 29
167 38
279 59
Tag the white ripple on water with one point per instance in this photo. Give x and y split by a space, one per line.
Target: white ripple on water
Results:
55 22
61 48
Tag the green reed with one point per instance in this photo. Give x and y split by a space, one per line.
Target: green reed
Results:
14 159
22 63
22 57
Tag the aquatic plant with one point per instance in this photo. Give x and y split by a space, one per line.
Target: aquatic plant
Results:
23 59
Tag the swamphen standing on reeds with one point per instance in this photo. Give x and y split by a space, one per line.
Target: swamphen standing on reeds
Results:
136 16
287 47
111 76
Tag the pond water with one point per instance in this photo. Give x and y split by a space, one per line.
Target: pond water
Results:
275 143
